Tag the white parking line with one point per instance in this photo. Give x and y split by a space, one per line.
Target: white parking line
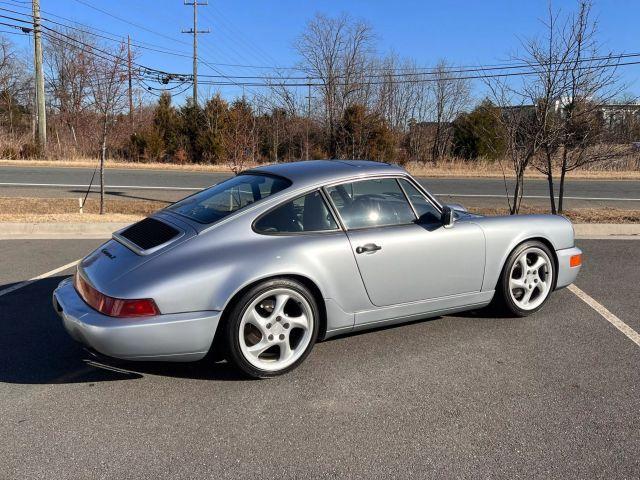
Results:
17 286
608 316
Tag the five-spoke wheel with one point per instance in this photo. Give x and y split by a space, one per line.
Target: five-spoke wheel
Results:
527 278
272 328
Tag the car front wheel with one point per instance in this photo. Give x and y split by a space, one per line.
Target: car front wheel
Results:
272 328
527 279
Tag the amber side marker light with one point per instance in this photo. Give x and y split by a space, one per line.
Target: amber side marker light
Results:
575 260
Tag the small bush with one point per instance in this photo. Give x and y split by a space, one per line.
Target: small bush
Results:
9 152
30 150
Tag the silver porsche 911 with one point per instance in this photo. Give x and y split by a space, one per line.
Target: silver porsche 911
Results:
263 265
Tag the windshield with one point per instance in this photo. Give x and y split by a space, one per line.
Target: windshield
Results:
222 199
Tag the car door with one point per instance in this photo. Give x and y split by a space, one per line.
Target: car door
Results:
403 252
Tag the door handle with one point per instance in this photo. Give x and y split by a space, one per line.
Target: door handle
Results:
369 247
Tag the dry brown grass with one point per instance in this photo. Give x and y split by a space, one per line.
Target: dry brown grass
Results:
68 218
45 210
55 206
92 163
450 167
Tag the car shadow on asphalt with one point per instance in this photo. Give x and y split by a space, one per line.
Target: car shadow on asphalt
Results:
36 349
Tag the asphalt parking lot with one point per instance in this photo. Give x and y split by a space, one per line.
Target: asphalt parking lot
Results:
555 395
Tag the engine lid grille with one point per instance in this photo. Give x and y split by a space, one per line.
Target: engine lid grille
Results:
149 233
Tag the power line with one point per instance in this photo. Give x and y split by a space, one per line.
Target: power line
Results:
242 81
91 49
421 80
284 78
141 27
237 38
109 36
172 77
433 71
395 72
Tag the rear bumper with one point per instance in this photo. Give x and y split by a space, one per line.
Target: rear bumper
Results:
566 273
179 337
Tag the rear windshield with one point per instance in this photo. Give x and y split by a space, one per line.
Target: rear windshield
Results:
217 202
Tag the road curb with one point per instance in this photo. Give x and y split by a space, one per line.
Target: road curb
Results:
9 230
606 230
17 231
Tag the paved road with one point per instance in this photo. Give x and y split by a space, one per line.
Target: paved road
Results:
170 185
463 396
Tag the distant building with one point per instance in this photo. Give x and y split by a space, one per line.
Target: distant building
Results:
616 114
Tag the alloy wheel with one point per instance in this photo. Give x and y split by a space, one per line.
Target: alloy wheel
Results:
276 329
530 278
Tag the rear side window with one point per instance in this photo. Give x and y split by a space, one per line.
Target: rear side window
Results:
222 199
372 203
308 213
427 213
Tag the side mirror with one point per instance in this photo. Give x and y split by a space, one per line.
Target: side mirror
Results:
447 218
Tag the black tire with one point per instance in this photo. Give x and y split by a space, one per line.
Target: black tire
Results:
503 302
232 327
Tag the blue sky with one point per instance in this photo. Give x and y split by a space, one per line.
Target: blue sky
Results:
261 32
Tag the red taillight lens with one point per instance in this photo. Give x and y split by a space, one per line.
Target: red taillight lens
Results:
134 308
114 307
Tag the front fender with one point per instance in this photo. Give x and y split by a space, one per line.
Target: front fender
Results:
504 234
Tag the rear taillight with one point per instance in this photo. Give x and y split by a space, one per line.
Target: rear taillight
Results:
114 307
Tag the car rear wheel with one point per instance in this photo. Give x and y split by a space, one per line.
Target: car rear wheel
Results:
273 328
527 279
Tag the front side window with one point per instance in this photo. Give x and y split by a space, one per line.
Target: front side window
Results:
308 213
427 213
372 203
222 199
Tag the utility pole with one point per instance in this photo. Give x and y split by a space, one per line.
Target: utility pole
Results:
130 81
40 105
195 33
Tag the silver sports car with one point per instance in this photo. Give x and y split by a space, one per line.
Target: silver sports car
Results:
265 264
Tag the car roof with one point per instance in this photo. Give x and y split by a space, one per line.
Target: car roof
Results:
313 172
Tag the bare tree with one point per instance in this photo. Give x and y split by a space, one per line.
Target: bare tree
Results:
337 52
404 105
239 139
592 82
451 96
14 85
67 59
285 105
546 58
573 80
108 87
522 132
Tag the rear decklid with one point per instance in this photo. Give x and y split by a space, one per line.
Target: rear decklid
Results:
131 247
